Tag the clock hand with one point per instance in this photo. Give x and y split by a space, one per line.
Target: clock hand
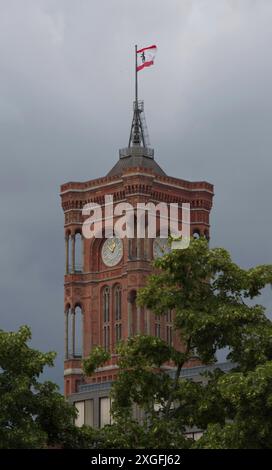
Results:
161 247
112 246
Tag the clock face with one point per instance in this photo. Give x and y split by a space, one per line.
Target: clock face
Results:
160 247
112 251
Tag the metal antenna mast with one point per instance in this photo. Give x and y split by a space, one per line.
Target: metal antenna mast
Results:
137 136
136 78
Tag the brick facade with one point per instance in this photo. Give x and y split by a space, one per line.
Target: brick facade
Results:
83 286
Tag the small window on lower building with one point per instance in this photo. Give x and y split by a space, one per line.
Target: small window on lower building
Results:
79 406
89 421
84 413
104 411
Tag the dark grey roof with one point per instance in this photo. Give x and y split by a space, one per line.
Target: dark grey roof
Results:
132 157
186 372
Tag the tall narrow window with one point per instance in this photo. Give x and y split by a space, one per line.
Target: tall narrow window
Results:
169 327
118 313
106 317
158 326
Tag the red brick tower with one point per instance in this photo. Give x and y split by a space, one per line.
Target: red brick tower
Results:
101 280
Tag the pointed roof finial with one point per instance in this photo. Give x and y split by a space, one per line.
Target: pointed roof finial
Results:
137 134
138 153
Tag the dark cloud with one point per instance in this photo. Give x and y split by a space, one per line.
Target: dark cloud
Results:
66 91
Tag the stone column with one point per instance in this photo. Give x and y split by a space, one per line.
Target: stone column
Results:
138 320
147 322
82 252
82 332
67 254
73 313
138 248
129 318
73 252
147 248
129 248
131 299
150 248
66 333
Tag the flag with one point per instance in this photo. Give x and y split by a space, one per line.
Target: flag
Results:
145 57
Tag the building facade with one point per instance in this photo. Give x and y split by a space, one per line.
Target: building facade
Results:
102 275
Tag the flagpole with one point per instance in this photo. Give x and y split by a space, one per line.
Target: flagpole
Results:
136 79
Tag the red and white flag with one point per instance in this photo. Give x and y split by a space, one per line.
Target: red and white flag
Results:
145 57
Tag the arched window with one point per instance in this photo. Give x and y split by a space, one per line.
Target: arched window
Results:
106 317
118 313
78 331
73 331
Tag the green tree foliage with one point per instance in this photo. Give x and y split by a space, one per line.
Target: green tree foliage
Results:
214 306
99 356
33 414
250 398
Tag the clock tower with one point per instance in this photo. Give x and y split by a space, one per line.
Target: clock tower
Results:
103 275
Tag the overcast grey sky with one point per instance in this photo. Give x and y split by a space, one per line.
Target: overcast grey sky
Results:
66 92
